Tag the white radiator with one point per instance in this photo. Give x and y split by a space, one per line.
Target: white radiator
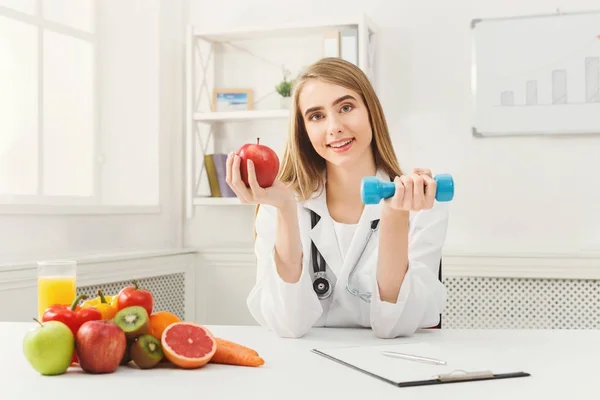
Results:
519 303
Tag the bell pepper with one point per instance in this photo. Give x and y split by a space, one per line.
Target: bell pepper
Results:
71 315
107 305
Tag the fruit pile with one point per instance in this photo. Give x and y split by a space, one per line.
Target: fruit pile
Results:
106 332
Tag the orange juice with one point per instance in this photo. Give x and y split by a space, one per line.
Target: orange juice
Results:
55 290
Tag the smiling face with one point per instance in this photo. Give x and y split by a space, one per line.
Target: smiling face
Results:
336 121
321 114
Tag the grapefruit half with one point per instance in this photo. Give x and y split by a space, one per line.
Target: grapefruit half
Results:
188 345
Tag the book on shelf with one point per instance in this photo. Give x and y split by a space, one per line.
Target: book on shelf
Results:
216 172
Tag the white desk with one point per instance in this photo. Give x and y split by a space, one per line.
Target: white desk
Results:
563 365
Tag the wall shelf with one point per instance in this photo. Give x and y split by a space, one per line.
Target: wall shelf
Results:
287 30
251 115
218 201
213 61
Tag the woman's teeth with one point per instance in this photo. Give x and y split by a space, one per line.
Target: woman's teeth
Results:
338 145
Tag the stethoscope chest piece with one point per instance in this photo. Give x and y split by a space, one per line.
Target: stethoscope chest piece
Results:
322 286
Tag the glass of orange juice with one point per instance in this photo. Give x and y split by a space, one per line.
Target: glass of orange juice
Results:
56 283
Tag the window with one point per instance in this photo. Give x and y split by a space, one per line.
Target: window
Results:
48 102
80 106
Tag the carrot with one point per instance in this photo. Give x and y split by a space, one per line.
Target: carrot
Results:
235 355
237 346
227 355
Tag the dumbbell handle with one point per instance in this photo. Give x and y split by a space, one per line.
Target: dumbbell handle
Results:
373 190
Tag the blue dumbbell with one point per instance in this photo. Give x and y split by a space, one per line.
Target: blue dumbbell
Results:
373 190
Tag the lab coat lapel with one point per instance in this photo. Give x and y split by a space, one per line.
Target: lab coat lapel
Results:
324 237
359 240
323 234
371 212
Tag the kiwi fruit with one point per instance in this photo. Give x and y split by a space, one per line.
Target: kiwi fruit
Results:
146 351
133 320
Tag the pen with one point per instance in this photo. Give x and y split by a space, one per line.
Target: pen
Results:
413 358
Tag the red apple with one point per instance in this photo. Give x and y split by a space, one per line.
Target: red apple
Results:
266 163
100 346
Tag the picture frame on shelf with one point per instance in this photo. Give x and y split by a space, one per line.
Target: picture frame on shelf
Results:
232 99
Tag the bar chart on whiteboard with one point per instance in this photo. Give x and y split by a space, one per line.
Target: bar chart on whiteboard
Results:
537 75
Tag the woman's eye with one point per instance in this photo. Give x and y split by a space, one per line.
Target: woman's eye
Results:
314 117
346 108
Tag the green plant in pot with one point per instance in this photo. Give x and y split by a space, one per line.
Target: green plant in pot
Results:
284 88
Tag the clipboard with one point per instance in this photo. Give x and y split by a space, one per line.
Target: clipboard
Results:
462 366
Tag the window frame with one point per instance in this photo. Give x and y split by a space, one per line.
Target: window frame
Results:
37 21
40 204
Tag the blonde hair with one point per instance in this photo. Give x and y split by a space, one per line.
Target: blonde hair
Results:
301 167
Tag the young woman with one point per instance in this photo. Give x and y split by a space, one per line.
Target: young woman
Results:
325 258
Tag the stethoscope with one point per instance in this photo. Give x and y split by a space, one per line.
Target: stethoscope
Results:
321 284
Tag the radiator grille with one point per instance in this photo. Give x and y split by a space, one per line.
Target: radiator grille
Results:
497 303
168 291
473 302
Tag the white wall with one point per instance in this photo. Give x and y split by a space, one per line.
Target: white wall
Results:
528 195
129 57
142 128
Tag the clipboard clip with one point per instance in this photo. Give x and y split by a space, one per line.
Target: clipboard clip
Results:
462 375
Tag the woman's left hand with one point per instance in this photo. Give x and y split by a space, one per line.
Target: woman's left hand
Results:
414 192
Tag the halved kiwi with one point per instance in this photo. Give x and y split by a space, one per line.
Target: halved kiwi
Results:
133 320
146 351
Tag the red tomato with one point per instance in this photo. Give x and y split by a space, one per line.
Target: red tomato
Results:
134 296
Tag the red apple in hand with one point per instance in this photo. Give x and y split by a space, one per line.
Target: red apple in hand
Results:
266 163
100 346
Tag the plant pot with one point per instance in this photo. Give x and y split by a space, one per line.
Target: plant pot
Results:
286 102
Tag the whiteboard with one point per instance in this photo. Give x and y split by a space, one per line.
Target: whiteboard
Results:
536 75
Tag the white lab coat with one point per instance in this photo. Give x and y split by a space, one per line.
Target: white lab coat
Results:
291 309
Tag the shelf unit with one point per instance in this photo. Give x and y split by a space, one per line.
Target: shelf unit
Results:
202 124
231 116
217 201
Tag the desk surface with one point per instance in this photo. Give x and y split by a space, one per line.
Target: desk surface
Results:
563 365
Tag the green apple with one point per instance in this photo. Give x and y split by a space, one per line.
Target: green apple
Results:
49 347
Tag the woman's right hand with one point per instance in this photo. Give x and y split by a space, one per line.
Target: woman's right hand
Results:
277 195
